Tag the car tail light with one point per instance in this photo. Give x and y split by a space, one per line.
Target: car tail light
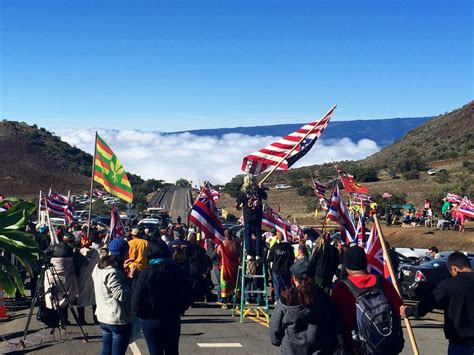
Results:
419 276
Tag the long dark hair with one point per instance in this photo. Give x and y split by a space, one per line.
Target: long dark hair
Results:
304 294
110 260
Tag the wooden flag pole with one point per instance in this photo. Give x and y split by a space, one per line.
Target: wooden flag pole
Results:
92 188
293 149
386 257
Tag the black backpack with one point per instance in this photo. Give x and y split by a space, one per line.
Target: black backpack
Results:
180 254
378 328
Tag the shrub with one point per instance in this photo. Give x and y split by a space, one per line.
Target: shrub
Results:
305 190
411 175
442 176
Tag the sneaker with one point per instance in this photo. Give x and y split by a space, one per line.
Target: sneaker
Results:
225 306
249 257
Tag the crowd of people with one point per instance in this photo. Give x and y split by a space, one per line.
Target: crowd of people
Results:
149 278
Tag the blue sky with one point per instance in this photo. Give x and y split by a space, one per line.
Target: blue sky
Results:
176 65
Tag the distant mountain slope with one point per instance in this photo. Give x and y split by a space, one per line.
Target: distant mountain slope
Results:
383 131
444 137
33 159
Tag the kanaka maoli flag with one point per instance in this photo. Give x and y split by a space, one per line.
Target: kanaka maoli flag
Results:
110 173
273 154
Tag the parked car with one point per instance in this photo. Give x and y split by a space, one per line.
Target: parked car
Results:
282 187
102 219
419 279
412 253
431 172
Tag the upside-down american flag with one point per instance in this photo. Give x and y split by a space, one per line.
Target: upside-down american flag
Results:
375 261
338 213
298 143
204 215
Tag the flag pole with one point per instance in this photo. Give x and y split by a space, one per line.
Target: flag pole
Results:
92 188
386 257
293 149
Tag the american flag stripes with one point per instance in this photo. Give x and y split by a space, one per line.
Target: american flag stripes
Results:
453 198
296 144
204 215
338 213
360 232
375 259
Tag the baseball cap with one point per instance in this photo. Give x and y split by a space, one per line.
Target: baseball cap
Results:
118 247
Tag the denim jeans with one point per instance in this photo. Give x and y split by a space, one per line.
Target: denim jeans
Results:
253 227
280 282
454 349
217 274
115 338
162 336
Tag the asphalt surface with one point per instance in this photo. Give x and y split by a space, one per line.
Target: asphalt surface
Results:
202 326
176 201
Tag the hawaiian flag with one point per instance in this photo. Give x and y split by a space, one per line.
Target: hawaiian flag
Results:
466 207
453 198
375 260
97 192
361 198
293 146
204 215
350 185
386 195
319 188
338 213
58 205
271 219
360 231
116 229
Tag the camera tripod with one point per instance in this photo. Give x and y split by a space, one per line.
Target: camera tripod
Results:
53 292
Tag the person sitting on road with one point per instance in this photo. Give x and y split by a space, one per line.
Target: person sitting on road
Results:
455 296
162 293
305 320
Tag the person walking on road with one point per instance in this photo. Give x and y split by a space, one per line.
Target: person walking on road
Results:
324 263
281 256
162 292
455 296
229 252
137 251
305 320
113 295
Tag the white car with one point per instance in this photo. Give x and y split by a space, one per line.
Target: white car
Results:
282 187
431 172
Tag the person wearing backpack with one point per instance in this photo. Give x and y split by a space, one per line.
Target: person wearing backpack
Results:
305 320
370 308
180 250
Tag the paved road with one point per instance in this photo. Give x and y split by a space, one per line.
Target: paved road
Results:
177 202
201 326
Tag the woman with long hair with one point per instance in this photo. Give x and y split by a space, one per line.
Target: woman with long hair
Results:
229 252
113 296
304 320
161 293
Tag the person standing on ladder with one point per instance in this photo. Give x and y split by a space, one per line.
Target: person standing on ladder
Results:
282 257
249 200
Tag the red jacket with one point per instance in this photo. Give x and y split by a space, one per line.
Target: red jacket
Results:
345 301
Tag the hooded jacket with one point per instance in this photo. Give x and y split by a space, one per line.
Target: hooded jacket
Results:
299 329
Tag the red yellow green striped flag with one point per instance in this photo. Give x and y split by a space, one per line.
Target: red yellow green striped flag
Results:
109 172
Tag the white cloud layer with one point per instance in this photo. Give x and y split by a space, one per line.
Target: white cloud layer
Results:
185 155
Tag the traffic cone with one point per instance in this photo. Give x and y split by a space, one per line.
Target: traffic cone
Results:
3 308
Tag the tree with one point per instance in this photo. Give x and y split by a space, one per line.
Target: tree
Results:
100 208
235 184
15 241
410 161
182 183
442 176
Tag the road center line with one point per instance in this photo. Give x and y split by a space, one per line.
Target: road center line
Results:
219 345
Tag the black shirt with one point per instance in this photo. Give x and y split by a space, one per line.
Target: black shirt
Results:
252 204
456 296
282 256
